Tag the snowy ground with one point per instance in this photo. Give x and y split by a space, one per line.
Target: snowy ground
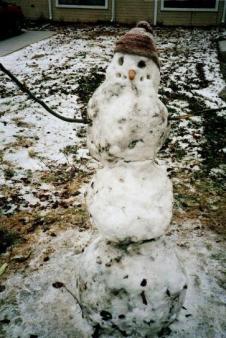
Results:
45 167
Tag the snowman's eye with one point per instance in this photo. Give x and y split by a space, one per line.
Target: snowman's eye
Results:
121 60
141 64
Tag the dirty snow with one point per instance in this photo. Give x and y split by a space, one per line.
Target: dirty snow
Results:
118 213
125 298
42 158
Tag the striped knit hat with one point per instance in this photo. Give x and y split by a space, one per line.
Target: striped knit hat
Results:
139 41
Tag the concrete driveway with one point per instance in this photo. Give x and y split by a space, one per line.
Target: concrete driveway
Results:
25 39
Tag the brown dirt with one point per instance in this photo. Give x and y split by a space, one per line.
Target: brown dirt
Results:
21 229
200 198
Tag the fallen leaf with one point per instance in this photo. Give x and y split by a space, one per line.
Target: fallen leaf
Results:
3 268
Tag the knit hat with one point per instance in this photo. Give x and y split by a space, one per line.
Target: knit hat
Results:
139 41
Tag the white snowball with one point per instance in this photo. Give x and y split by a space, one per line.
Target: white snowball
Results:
128 120
145 68
135 290
130 201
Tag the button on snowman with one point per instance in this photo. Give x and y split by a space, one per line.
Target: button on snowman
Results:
131 282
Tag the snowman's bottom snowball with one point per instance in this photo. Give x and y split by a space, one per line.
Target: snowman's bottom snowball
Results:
137 290
131 201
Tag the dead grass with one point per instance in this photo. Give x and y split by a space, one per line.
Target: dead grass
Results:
200 198
19 122
23 229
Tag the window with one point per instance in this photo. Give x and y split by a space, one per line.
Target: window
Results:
82 3
190 5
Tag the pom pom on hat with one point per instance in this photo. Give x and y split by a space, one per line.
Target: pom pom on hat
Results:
145 25
139 41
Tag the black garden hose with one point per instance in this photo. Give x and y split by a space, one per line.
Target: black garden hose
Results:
24 89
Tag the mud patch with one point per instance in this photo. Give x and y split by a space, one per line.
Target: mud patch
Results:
88 83
214 147
8 238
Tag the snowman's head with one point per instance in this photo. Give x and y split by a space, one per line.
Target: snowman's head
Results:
136 58
133 69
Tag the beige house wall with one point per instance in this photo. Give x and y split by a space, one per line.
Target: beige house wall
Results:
127 11
191 18
81 15
131 11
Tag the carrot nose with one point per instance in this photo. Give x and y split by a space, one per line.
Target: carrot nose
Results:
132 74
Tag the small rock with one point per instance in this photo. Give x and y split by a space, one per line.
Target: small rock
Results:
21 258
58 285
2 288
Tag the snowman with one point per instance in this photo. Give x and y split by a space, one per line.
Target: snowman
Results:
128 120
129 125
131 282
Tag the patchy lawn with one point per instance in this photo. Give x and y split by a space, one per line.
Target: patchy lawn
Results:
45 167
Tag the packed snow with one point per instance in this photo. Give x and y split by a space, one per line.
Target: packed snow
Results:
124 298
42 157
123 124
131 201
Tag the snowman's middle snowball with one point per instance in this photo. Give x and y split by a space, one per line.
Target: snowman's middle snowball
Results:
131 202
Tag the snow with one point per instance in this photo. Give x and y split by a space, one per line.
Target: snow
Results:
55 79
130 201
50 69
123 125
59 314
202 250
30 138
119 293
42 309
22 159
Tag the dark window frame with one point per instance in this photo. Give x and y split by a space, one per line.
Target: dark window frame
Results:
82 6
180 9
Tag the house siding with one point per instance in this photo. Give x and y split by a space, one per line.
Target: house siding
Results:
81 14
190 18
131 11
127 11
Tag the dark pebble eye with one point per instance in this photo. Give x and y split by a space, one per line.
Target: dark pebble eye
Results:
121 60
141 64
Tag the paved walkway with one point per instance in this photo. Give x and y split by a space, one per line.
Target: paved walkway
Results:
25 39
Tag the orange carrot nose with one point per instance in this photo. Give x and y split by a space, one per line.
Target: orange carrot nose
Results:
132 74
